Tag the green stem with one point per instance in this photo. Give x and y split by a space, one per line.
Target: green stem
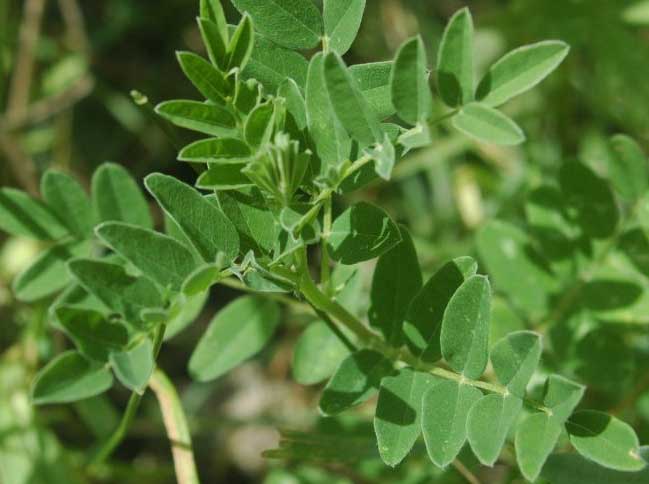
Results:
325 271
176 426
131 410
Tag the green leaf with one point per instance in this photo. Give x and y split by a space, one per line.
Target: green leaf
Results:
574 469
222 177
397 279
216 42
342 19
209 81
485 124
184 312
295 103
351 108
271 65
361 233
118 291
455 76
515 358
210 119
23 215
159 257
373 79
69 202
384 156
257 227
535 439
93 335
590 198
332 143
516 268
237 333
117 197
48 274
296 24
357 378
562 396
215 150
411 94
241 44
423 323
213 10
202 279
445 408
259 125
134 367
207 227
397 422
68 378
488 424
465 327
248 94
605 440
628 168
520 70
317 354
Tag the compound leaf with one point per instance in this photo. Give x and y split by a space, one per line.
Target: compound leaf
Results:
535 438
69 202
520 70
237 332
342 19
23 215
485 124
159 257
514 359
455 76
117 197
397 422
210 119
68 378
397 278
207 227
605 440
317 354
361 233
296 24
445 407
356 379
411 94
465 327
134 367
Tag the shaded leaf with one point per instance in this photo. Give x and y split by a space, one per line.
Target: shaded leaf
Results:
562 396
515 358
23 215
574 469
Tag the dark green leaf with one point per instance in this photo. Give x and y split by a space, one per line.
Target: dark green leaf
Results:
296 24
238 332
397 279
69 202
201 221
342 19
411 94
397 422
210 119
361 233
357 378
117 197
23 215
159 257
317 354
445 408
68 378
465 327
455 76
488 125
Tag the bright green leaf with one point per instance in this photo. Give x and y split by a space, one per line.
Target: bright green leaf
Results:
361 233
515 358
68 378
216 42
465 327
520 70
488 125
455 75
411 94
342 19
238 332
210 119
213 10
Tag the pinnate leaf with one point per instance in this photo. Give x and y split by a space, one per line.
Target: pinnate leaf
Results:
445 408
465 327
69 378
520 70
361 233
574 469
485 124
397 422
357 378
237 332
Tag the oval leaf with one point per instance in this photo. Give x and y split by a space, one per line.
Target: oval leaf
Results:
210 119
515 358
411 94
535 439
488 125
134 367
317 354
455 60
69 202
342 19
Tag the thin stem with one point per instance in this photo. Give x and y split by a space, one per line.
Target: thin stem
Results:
131 410
176 426
465 472
325 270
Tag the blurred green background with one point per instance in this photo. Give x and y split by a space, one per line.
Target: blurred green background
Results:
67 69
